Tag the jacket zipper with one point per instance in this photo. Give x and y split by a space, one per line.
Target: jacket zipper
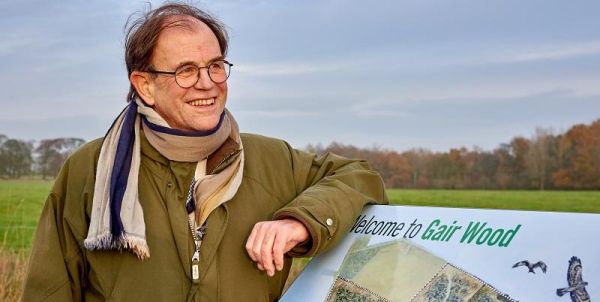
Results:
225 159
197 235
196 257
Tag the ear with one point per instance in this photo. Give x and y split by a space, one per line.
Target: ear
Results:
143 85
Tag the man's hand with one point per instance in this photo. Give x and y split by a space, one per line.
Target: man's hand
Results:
270 240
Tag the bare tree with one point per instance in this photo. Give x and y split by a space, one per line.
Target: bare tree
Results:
51 154
538 157
15 158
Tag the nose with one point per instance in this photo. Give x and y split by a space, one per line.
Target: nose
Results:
204 82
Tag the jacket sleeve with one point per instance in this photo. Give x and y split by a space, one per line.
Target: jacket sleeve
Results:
55 266
331 193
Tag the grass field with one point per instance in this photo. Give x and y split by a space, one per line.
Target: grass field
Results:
562 201
21 203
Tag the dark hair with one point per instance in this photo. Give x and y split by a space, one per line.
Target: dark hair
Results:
142 34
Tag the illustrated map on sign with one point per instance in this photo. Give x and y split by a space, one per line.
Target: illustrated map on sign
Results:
411 275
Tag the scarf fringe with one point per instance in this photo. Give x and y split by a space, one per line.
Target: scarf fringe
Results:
107 241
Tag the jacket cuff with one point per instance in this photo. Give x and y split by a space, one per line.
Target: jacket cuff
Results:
321 229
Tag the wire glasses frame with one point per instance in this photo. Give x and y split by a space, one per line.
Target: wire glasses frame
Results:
188 75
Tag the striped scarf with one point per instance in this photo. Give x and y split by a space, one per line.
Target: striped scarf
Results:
117 220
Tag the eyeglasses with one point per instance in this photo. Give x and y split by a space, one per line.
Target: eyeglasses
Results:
188 75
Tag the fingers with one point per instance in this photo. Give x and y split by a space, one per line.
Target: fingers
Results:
254 243
250 243
278 250
266 252
260 247
270 240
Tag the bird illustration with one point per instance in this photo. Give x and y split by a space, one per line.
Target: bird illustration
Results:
576 284
531 266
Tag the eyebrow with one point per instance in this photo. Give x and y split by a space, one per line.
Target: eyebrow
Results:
194 63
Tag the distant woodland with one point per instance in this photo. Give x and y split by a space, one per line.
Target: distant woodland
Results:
569 160
20 158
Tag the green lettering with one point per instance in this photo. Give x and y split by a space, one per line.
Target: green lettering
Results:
430 229
495 237
508 236
484 236
472 230
454 229
440 233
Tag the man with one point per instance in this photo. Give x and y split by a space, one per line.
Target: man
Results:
173 204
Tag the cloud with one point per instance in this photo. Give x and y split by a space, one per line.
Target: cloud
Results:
380 108
11 45
278 113
415 106
555 53
293 68
379 113
404 61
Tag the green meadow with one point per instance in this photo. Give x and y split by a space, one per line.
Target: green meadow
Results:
561 201
21 202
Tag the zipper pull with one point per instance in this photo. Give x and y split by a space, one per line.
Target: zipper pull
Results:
196 267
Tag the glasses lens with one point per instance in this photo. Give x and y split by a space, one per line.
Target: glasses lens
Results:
219 71
186 76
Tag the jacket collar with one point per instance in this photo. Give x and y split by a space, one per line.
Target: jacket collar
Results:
216 161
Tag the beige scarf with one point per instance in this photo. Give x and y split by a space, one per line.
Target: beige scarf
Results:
117 220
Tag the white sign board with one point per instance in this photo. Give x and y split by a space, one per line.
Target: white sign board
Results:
401 253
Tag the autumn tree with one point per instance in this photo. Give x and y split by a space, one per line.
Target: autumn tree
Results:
482 169
580 158
417 159
504 170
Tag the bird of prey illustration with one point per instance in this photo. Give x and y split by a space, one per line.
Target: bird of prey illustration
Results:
576 284
532 266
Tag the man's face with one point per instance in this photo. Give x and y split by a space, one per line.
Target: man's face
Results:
200 106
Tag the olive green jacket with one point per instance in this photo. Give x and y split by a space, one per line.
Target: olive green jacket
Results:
325 193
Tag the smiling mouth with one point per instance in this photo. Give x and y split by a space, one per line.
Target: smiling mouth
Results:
202 102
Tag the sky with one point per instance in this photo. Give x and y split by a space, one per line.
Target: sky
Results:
391 74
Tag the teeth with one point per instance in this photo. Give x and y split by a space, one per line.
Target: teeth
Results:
203 102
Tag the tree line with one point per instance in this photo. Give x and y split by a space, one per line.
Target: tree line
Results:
20 158
570 160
